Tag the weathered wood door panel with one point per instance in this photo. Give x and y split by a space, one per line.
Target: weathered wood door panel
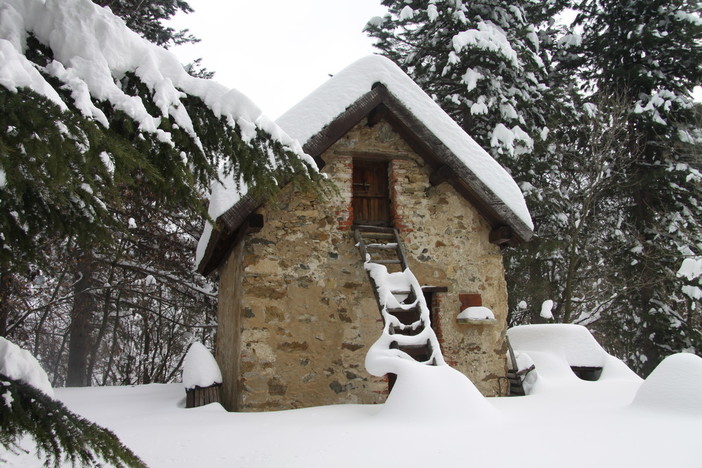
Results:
371 199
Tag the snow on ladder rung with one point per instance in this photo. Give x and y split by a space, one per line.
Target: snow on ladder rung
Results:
390 246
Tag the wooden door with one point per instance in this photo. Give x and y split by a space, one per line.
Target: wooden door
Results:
371 200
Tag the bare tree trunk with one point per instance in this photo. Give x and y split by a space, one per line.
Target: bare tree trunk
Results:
5 287
80 328
113 347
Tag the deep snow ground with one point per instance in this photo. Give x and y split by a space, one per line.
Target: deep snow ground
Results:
593 424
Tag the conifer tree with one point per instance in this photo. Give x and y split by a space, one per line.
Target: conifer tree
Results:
64 437
75 168
147 17
481 61
649 54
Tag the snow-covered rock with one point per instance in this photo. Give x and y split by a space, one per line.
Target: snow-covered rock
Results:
19 364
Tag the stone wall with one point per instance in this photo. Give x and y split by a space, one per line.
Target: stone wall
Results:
300 299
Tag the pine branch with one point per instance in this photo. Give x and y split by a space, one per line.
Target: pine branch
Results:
59 434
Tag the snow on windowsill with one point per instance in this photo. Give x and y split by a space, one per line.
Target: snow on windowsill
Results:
476 315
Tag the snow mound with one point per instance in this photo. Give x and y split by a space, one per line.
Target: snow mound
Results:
19 364
674 385
574 342
323 105
434 393
200 368
555 348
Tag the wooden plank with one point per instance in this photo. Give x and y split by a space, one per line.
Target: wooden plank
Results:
374 155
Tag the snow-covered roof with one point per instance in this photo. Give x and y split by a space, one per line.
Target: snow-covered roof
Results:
376 84
307 121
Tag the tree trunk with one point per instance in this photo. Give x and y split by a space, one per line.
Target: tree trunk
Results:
80 328
5 286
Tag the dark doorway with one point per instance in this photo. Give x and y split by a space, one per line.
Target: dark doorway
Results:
371 198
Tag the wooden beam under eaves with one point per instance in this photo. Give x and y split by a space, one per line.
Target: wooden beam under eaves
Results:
376 115
442 174
503 236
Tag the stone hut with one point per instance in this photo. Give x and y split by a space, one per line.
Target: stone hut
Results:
297 312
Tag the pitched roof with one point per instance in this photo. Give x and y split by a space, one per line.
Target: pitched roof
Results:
375 87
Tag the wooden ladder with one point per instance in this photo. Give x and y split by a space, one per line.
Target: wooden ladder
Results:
382 246
515 377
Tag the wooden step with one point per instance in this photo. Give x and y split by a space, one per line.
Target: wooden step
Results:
373 229
387 262
408 331
406 316
388 246
421 352
402 292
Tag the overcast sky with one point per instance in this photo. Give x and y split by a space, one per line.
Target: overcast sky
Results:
277 51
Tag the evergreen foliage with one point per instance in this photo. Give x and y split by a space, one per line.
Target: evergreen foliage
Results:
649 53
59 435
100 217
481 61
146 17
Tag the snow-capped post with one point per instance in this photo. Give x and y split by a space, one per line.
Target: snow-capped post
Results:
202 378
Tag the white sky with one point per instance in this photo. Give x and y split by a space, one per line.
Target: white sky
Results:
277 51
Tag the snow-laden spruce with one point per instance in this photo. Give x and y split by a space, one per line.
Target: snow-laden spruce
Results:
96 108
93 50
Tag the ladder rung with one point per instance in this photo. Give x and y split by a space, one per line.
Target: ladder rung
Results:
391 246
387 262
375 229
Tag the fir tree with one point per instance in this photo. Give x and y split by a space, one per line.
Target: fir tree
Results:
59 434
74 173
481 61
648 53
147 17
